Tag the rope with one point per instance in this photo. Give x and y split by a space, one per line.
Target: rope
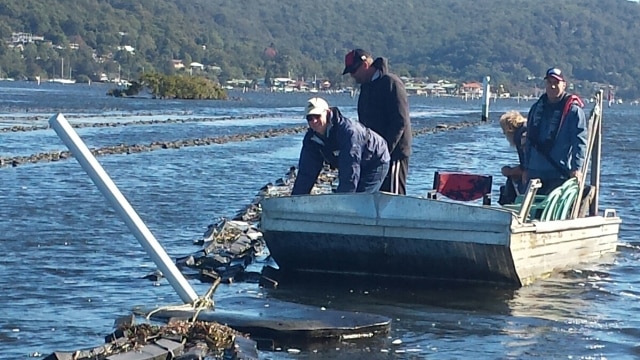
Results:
206 301
201 303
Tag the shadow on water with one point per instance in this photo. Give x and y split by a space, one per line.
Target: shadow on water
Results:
359 295
510 323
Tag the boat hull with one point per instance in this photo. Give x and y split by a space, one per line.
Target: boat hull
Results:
385 236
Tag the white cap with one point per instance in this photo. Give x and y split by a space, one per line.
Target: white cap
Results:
316 106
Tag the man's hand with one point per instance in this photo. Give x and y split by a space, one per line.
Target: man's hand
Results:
576 174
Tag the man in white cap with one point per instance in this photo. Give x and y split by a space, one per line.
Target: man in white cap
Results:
556 143
359 153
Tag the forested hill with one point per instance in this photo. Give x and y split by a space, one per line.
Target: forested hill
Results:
461 40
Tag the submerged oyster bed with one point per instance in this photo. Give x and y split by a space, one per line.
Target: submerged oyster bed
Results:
161 145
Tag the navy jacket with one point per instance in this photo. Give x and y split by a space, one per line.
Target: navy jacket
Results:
348 146
562 135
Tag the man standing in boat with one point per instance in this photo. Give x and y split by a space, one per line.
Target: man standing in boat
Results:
360 155
383 106
555 147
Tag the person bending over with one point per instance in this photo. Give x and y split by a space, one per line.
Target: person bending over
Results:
359 153
514 128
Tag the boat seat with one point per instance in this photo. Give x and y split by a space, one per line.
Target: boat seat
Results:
460 186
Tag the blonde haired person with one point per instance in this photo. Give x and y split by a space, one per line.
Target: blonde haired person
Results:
511 122
514 128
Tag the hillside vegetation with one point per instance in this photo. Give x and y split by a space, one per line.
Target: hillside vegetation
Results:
513 41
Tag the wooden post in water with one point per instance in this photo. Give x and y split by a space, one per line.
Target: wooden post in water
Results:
120 204
596 157
486 95
593 153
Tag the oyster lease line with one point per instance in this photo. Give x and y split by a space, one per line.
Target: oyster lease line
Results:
21 128
158 145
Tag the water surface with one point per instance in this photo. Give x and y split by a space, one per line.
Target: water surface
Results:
70 265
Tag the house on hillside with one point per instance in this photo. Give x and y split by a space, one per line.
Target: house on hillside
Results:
177 64
128 48
196 66
24 38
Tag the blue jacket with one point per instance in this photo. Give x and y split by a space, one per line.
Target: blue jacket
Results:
560 130
348 146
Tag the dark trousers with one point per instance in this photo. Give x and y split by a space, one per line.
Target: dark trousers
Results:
508 192
371 179
396 180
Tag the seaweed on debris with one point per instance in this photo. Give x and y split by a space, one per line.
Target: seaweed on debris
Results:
175 340
216 336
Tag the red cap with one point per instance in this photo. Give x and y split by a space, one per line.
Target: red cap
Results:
353 59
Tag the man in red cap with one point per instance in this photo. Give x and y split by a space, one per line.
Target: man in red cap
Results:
383 106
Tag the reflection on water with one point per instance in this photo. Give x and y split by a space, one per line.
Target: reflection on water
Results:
71 266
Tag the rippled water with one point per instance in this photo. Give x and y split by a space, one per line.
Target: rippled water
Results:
70 266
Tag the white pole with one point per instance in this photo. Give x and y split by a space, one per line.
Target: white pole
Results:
120 204
486 93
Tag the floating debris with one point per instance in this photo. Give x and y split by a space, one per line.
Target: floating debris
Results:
176 340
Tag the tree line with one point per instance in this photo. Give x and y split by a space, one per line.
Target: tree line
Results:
513 41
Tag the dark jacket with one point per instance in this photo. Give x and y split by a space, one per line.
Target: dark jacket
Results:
383 107
559 130
519 138
349 146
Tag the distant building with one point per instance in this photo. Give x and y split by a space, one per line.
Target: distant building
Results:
177 64
471 89
24 38
127 48
239 82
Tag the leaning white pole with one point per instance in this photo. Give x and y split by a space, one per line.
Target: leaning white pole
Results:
113 195
486 96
